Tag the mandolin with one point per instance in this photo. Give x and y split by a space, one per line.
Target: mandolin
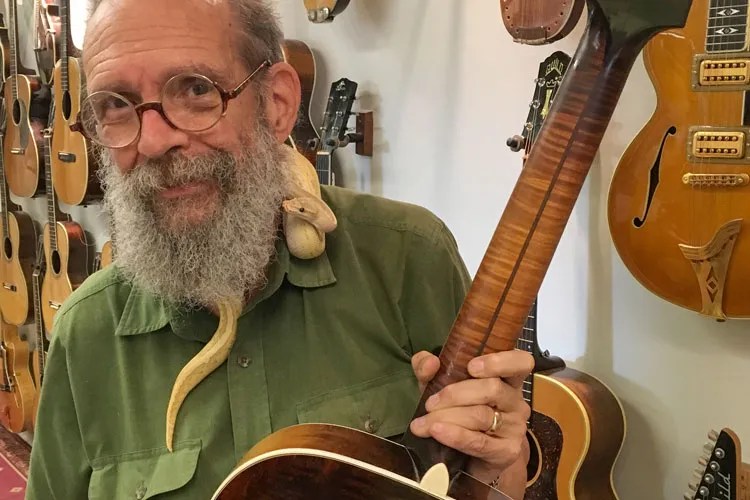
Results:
678 202
20 151
16 386
73 165
323 11
333 133
537 22
42 344
577 424
720 473
65 248
304 136
330 461
19 242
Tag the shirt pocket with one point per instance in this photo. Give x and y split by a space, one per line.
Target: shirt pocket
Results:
383 406
144 474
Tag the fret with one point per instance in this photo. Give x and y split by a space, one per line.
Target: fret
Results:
4 197
39 329
51 201
323 167
13 52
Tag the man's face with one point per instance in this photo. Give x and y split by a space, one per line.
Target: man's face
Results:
133 47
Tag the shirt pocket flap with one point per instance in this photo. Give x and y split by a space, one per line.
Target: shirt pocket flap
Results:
144 474
383 406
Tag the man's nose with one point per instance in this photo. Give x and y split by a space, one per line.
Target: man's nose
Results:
157 136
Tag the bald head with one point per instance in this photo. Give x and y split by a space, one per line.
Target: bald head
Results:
254 24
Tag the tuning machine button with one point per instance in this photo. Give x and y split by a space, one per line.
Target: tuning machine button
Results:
516 143
719 453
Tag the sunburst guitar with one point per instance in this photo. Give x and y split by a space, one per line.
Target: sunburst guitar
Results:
73 166
65 250
16 385
679 202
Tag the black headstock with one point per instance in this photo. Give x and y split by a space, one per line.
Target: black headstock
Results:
338 110
716 477
547 83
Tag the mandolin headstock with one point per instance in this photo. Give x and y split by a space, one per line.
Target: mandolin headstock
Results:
323 11
717 475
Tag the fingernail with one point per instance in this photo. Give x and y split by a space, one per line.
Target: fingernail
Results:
476 365
431 402
419 423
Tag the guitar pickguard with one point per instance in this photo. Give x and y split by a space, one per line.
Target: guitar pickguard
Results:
550 438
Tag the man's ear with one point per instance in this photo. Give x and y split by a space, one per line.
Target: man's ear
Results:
285 97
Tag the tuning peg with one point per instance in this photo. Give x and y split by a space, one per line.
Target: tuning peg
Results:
516 143
693 485
703 461
687 496
713 435
708 448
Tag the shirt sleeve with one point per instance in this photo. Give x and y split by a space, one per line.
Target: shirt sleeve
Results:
435 284
59 468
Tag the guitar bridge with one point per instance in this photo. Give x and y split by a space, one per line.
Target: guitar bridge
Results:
66 157
714 74
54 305
10 286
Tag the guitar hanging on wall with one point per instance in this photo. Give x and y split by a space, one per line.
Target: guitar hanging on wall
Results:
304 137
20 151
720 475
537 22
679 202
330 461
577 424
333 134
323 11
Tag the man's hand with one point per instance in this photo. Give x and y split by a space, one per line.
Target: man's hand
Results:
461 414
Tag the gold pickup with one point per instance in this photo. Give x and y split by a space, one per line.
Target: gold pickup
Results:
716 180
718 144
729 74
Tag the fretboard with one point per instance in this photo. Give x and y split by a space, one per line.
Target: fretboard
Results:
323 167
41 356
65 25
51 201
527 342
727 26
13 45
4 197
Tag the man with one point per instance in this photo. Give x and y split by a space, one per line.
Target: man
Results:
193 198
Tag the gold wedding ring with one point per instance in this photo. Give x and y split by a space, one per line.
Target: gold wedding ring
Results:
497 422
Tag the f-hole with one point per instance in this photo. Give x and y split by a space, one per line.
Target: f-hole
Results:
56 265
7 248
653 180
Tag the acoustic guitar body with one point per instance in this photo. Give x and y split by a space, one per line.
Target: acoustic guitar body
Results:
66 267
16 404
577 430
322 461
73 167
16 266
538 22
304 134
684 237
20 152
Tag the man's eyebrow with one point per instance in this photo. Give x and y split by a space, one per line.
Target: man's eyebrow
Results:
125 87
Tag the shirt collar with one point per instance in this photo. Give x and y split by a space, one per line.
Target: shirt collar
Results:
145 312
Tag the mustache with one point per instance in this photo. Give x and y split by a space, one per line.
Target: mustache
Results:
175 169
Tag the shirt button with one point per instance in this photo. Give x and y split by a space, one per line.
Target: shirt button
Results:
140 492
371 425
243 361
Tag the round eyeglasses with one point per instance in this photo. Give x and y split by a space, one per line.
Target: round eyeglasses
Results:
189 102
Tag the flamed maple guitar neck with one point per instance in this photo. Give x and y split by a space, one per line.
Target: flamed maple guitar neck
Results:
324 461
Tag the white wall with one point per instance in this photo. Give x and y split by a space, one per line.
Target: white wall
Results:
447 86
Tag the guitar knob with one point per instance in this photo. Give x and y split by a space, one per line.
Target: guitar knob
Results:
709 479
714 466
516 143
719 453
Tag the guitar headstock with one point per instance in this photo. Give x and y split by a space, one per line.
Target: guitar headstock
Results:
323 11
547 83
717 476
40 263
338 110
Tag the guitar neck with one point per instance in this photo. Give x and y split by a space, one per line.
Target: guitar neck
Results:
65 30
52 209
4 195
13 41
744 484
38 323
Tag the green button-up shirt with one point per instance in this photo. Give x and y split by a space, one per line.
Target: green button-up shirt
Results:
328 340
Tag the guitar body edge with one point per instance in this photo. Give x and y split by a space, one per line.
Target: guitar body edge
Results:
593 430
16 407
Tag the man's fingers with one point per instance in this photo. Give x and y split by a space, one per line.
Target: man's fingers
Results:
513 366
425 366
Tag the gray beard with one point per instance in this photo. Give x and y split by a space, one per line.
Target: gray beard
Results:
190 264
